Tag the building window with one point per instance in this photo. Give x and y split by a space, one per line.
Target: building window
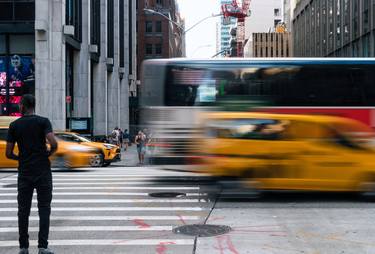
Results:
73 17
325 29
17 10
355 21
355 48
158 26
365 16
318 20
95 24
366 46
158 49
148 49
276 12
346 21
159 2
148 26
110 28
338 24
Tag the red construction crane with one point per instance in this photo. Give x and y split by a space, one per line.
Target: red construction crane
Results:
239 12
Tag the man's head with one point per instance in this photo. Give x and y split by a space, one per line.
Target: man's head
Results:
27 104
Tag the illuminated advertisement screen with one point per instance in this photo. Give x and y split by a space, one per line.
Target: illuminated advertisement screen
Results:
16 79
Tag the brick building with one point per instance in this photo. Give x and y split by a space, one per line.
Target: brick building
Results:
158 37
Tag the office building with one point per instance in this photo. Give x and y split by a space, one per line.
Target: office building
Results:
334 28
77 57
265 15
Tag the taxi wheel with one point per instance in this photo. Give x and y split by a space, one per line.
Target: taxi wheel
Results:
61 162
249 185
97 160
106 164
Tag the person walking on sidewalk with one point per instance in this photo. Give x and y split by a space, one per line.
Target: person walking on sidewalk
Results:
30 133
126 138
140 141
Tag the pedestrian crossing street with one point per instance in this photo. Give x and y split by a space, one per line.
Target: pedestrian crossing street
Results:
109 210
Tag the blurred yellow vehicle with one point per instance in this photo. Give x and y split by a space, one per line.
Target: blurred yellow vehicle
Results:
290 152
108 153
68 155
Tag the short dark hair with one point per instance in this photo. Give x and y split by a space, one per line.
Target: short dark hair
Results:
28 101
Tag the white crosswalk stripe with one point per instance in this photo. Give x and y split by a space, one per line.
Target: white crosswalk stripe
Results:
112 206
97 242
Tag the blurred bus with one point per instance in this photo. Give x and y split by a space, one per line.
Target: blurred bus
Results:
174 91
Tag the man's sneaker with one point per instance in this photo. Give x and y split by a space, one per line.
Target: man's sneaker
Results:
23 251
45 251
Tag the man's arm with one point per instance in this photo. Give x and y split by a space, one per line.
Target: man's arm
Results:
53 143
9 152
11 141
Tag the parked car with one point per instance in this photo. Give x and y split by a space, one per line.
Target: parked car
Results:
108 153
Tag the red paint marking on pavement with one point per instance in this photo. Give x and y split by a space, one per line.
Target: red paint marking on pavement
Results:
219 246
231 245
162 247
225 243
141 223
259 231
217 218
182 219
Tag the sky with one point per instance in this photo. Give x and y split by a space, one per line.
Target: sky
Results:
201 40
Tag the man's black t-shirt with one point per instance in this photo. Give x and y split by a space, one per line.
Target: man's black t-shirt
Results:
29 132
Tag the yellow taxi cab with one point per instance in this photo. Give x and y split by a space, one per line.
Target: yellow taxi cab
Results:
67 155
108 153
290 152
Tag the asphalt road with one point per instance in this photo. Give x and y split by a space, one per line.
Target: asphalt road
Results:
109 210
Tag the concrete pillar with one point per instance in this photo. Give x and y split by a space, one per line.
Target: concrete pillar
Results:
81 68
50 61
100 78
125 82
113 77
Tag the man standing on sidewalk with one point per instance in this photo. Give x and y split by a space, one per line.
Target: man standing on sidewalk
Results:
30 133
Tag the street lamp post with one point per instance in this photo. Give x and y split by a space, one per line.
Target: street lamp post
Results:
182 29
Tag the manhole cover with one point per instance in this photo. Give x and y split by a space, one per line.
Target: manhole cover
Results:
202 230
167 194
13 185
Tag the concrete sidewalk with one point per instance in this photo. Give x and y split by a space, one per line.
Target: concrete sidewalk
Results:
129 158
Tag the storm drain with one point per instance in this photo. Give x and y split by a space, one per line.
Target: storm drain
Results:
167 194
13 185
204 230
